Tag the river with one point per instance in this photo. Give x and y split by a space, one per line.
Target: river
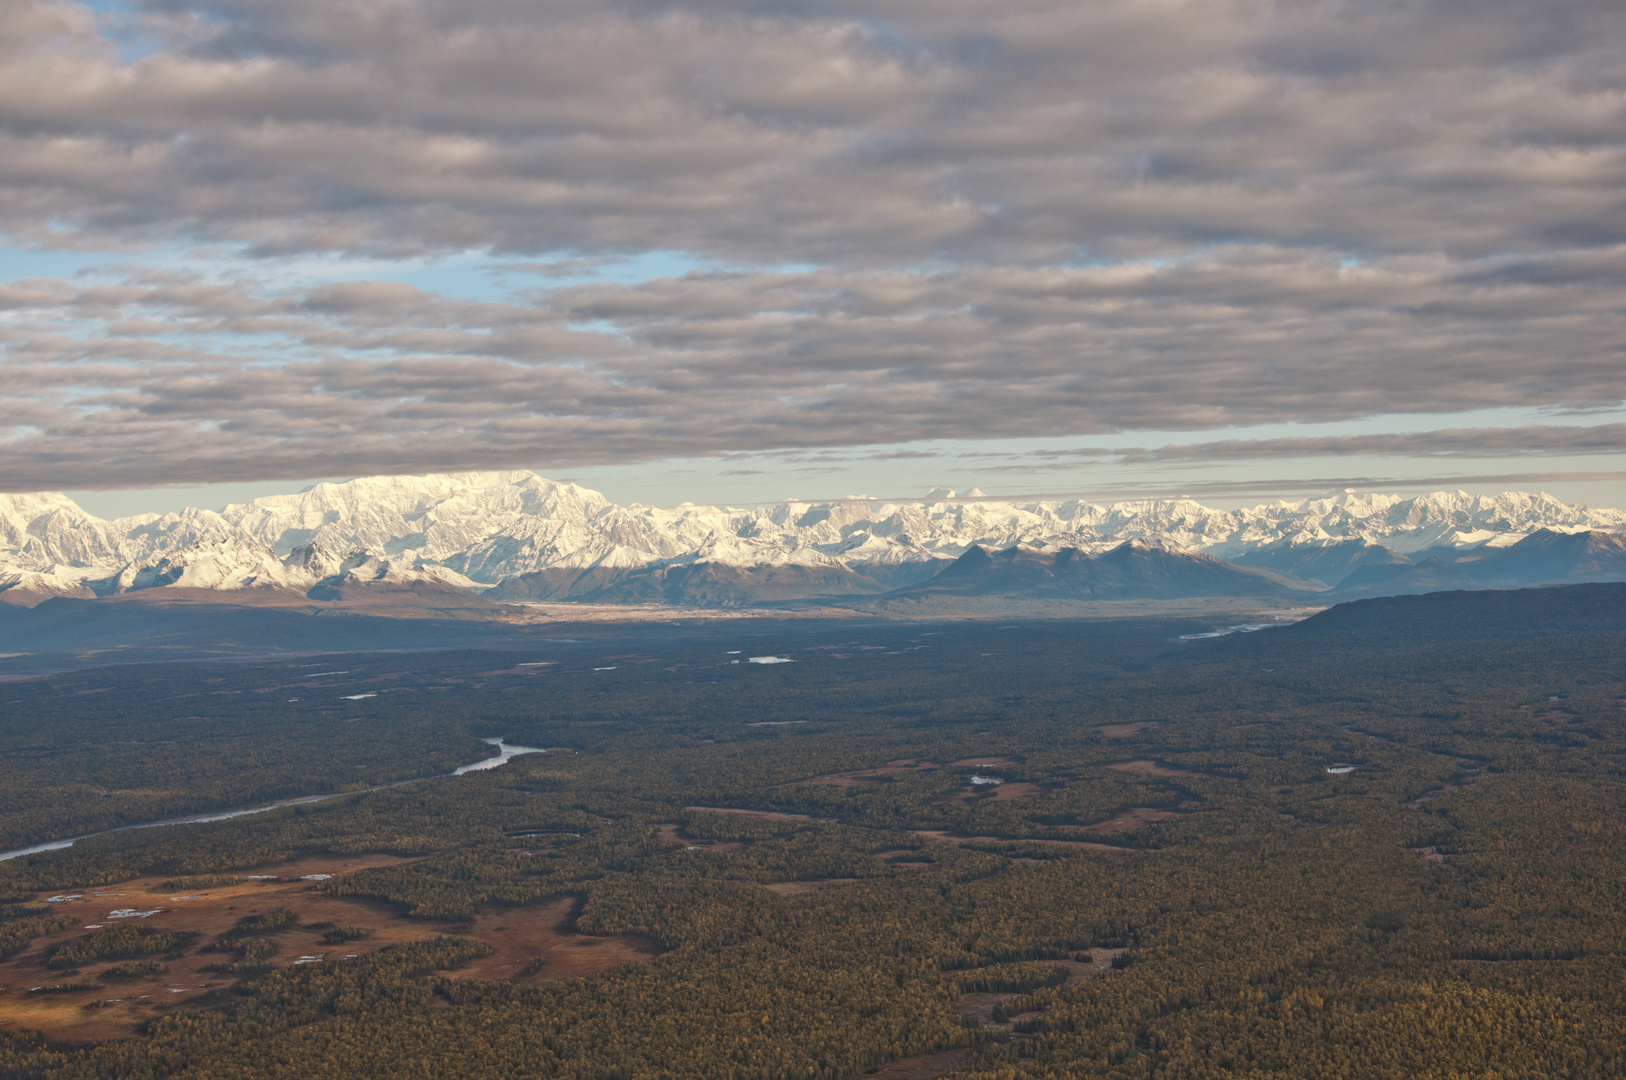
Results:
505 752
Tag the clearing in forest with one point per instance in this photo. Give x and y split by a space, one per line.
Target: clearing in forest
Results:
97 1002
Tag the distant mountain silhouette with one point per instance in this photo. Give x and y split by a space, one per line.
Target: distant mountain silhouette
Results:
1134 570
1393 579
1328 563
1546 557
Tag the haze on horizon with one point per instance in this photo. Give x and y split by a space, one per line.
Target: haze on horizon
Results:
732 251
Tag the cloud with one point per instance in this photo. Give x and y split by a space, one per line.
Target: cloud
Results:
1283 486
841 133
166 375
1541 439
205 379
1007 218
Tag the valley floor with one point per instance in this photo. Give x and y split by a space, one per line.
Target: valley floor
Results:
1380 842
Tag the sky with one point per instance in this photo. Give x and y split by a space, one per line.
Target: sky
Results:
739 250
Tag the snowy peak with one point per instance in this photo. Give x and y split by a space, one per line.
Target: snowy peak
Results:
478 529
438 515
224 564
44 530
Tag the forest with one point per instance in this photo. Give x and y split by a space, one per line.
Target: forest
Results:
1386 841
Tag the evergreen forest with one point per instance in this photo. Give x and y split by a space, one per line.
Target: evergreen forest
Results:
1384 842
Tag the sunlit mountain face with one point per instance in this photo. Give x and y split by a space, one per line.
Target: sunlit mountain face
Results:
562 541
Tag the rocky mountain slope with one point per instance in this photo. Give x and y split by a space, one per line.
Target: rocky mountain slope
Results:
528 538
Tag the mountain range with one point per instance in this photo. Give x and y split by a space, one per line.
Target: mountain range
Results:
516 537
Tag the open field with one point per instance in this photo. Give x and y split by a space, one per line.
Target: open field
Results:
1149 768
1008 791
1124 731
1137 817
858 776
112 1007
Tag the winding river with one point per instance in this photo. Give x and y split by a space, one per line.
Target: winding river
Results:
505 752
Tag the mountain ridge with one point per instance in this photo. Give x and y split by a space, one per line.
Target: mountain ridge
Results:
523 537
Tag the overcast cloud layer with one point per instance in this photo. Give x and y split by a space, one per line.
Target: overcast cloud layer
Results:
928 219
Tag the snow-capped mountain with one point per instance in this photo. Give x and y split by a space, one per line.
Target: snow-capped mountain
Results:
478 530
